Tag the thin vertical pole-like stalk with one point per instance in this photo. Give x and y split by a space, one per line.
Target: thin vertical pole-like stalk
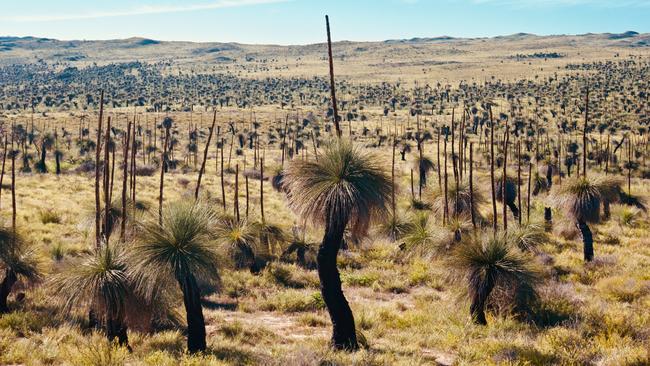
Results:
332 86
163 162
412 188
438 151
519 180
134 151
107 198
98 149
629 166
584 136
236 201
247 192
471 184
607 156
284 139
446 214
530 168
223 186
392 177
262 188
13 182
113 152
205 156
4 160
125 174
494 202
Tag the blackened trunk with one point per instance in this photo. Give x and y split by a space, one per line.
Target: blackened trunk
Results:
41 164
479 299
300 256
514 209
344 334
606 210
116 329
587 240
194 313
57 159
5 289
548 217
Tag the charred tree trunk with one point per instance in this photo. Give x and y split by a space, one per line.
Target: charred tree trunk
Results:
5 289
587 240
344 332
194 314
479 299
117 329
57 161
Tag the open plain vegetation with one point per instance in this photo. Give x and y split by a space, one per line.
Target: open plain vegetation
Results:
463 202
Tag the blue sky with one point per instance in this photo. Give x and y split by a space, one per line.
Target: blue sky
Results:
302 21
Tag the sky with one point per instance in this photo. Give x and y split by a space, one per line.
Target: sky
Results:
302 21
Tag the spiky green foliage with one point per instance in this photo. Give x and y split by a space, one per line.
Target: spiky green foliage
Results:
528 237
494 262
423 239
580 198
459 225
540 184
305 253
270 236
394 227
17 255
609 187
97 280
346 185
462 207
183 245
495 257
240 239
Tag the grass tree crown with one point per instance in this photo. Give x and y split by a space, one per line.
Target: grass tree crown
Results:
345 184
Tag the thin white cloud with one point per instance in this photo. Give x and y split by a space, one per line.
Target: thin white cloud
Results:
556 3
142 10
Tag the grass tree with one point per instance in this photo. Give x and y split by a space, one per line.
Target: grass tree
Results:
422 238
580 198
465 200
17 261
99 281
180 248
488 263
343 190
46 142
239 238
610 190
510 193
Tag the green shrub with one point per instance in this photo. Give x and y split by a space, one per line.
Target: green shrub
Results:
49 216
293 301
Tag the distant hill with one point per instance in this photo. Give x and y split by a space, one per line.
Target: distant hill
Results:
32 49
422 58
